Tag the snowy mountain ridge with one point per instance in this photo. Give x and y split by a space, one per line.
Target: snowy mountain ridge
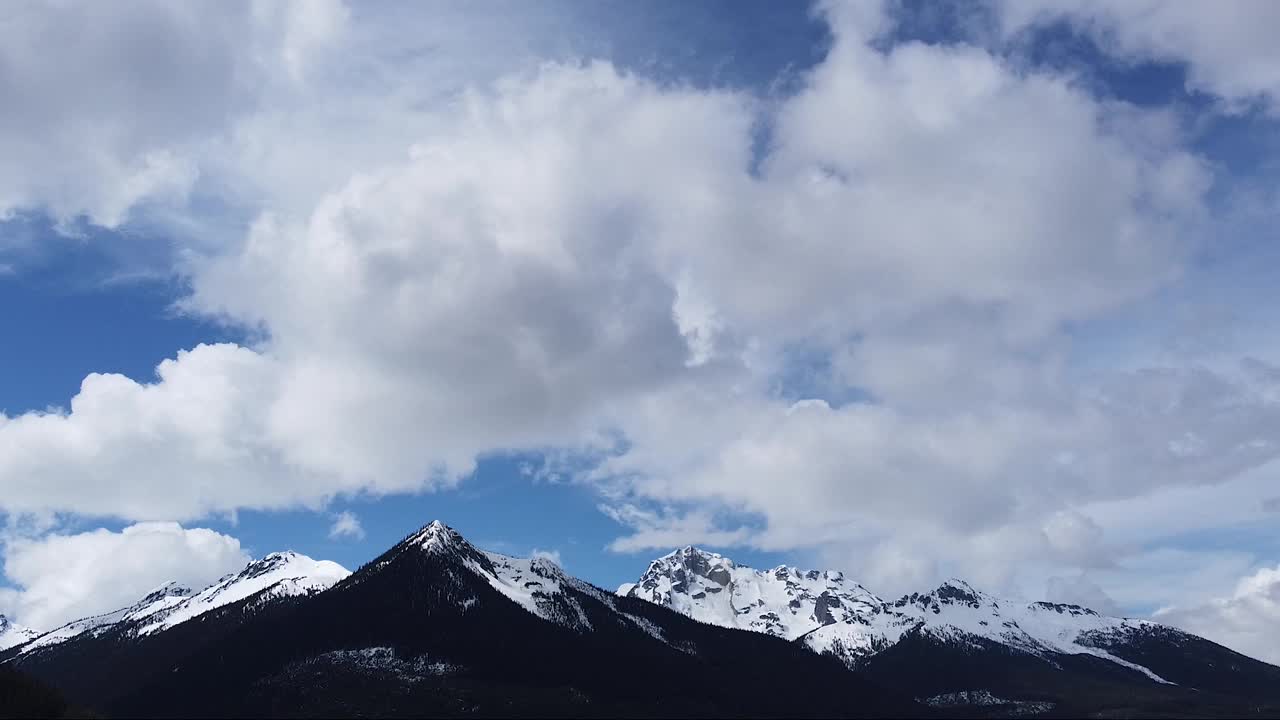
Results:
165 596
280 574
831 614
783 601
276 575
12 634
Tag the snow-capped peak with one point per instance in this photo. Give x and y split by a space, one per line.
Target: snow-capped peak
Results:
275 559
954 586
437 537
279 574
691 554
784 601
831 614
690 560
953 592
12 634
536 584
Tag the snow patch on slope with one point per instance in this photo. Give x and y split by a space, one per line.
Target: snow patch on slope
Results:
375 660
955 611
983 698
277 575
12 635
535 584
370 662
157 601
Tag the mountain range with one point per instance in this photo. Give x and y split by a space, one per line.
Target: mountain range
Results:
958 647
436 626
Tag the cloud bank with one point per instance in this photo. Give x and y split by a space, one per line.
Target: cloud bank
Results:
845 318
1248 620
63 577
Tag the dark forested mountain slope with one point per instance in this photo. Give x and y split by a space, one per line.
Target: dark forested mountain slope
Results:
22 696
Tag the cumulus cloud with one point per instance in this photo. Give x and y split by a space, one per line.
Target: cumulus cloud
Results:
62 577
120 115
1247 621
1228 49
426 313
817 472
346 525
580 259
153 115
1082 591
180 447
664 528
552 556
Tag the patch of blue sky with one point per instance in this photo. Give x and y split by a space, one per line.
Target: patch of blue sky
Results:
499 508
67 313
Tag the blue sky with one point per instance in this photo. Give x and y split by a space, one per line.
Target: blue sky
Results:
910 291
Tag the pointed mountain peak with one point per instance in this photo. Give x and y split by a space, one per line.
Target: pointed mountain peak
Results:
283 556
691 561
435 540
693 558
279 559
271 563
437 537
957 591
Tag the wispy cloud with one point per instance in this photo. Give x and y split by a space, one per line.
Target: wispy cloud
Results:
346 526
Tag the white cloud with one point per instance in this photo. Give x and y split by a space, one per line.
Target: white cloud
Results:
813 470
1167 575
62 577
184 446
665 528
346 525
514 284
1080 590
443 299
193 119
1228 47
1247 621
120 115
580 259
548 555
